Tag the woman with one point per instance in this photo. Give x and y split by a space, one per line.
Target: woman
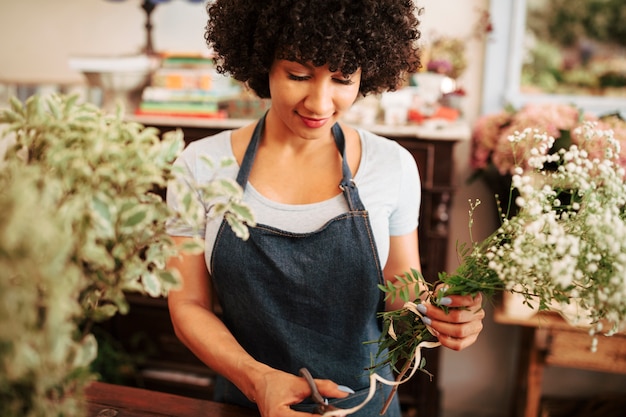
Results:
336 208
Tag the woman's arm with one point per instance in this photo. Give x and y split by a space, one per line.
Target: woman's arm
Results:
197 326
457 329
403 256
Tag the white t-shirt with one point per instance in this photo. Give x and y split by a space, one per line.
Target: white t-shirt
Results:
387 179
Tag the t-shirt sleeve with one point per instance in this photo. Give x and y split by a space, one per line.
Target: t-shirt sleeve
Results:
183 196
405 217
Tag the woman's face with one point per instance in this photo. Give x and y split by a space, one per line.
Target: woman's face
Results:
308 100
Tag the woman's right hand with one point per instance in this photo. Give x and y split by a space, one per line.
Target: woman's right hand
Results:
277 391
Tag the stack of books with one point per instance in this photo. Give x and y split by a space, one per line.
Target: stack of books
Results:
187 86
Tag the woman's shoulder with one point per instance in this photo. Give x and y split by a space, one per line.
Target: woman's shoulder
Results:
385 156
215 148
383 148
225 144
218 143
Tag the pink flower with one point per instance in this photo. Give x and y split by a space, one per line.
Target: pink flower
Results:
490 143
597 147
440 66
486 134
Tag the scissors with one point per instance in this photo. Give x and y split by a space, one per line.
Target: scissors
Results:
322 403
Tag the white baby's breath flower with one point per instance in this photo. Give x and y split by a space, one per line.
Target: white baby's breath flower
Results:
566 244
569 236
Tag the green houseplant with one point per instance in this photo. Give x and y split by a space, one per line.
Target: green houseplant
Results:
81 224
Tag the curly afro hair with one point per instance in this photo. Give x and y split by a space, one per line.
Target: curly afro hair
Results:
378 36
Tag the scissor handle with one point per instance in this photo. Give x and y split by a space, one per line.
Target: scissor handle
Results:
322 403
315 394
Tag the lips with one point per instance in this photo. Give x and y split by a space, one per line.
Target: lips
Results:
313 123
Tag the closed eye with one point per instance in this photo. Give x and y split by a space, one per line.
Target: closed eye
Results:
299 77
343 81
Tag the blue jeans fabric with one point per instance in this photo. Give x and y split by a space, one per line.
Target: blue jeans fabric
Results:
311 300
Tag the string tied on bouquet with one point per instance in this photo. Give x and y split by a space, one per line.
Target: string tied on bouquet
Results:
374 377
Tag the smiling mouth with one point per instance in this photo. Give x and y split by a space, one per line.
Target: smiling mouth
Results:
314 122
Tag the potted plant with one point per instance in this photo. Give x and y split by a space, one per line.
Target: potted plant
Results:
80 226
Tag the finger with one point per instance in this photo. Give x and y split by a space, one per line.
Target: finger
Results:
457 337
457 343
461 300
328 388
458 330
453 315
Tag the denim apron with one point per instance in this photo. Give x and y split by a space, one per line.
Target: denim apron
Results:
296 300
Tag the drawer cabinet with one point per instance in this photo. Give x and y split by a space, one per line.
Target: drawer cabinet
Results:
572 349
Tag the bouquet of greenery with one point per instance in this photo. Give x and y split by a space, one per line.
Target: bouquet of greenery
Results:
565 246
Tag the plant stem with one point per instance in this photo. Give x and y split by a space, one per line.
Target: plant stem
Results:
394 389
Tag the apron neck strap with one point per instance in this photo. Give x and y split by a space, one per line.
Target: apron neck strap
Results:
340 141
253 146
248 157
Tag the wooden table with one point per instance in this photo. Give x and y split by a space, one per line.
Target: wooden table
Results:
548 340
107 400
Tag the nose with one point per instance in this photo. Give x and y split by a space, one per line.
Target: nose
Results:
319 100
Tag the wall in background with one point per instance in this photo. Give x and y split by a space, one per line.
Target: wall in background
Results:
40 35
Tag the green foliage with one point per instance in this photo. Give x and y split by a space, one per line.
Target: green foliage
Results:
575 47
567 21
104 170
543 67
114 363
43 364
403 329
81 224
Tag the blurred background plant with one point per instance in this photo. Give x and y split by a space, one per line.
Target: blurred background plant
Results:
82 222
446 54
575 47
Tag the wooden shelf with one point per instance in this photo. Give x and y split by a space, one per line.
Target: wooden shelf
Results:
549 340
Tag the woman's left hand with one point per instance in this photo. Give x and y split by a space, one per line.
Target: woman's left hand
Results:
459 327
